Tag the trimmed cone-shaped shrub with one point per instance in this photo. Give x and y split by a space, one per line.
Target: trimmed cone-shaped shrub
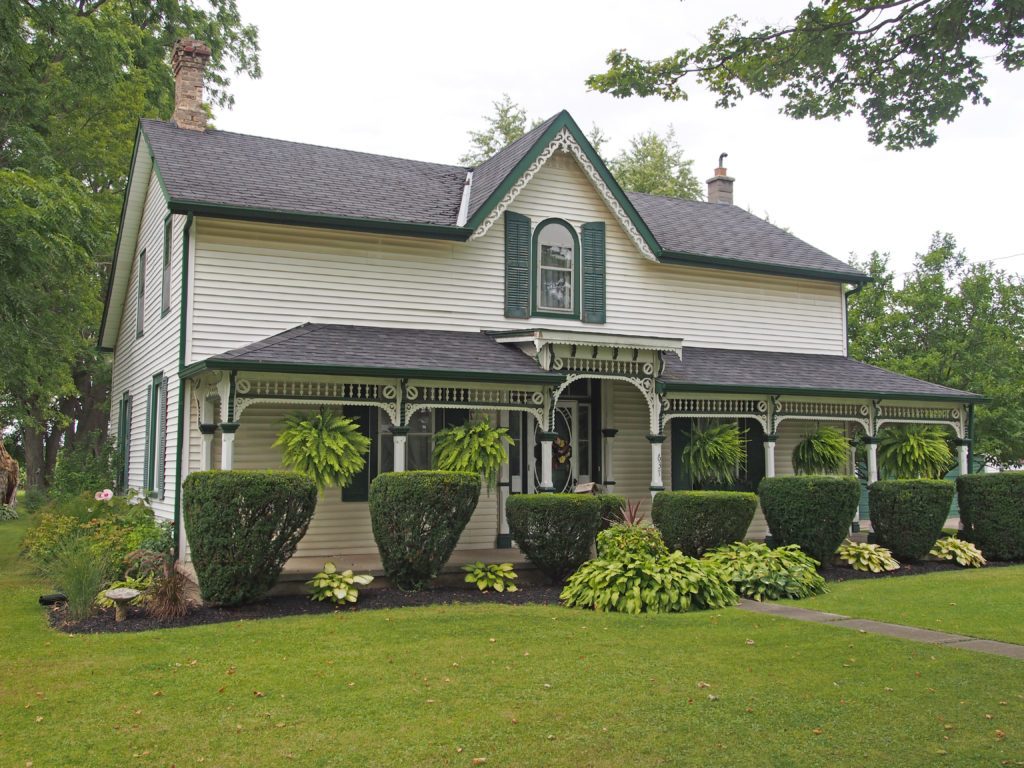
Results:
696 521
907 515
812 511
242 528
554 530
992 513
417 519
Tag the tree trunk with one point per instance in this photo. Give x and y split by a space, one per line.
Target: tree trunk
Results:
34 443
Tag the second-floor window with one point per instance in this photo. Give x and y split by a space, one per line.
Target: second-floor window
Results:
556 268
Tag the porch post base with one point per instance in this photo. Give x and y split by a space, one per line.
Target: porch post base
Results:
504 541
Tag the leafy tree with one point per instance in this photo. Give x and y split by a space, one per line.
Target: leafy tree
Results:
655 164
905 65
954 323
507 124
75 76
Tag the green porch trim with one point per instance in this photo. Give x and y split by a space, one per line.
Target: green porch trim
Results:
668 387
718 262
321 221
564 120
186 233
467 377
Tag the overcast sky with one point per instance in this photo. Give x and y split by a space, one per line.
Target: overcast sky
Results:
410 79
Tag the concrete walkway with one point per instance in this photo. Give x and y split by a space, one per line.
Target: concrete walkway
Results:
1009 650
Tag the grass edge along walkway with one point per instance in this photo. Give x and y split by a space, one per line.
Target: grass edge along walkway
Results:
1010 650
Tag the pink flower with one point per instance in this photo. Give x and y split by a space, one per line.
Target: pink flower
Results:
104 495
99 496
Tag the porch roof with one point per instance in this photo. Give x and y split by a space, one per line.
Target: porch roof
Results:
358 350
743 370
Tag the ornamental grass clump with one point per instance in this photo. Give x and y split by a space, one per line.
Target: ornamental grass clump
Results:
74 570
641 583
965 553
417 519
862 556
907 515
756 571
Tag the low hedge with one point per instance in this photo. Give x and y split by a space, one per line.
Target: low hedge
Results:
554 530
992 513
417 519
696 521
611 508
907 515
812 511
242 527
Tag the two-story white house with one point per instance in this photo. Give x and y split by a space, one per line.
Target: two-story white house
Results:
254 276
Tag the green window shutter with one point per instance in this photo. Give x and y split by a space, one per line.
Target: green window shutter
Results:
593 273
147 464
517 265
366 417
161 438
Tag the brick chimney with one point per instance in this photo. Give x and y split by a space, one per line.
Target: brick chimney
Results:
188 62
720 185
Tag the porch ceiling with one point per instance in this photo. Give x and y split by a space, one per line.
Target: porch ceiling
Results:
741 370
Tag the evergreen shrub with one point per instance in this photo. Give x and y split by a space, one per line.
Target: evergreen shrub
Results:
417 519
992 513
907 515
242 528
554 530
696 521
812 511
611 508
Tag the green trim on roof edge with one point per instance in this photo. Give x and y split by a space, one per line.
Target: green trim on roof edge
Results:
680 386
717 262
325 221
564 120
214 364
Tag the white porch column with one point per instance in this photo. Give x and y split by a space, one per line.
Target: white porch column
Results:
657 483
227 445
608 474
962 449
206 454
546 438
769 455
872 443
400 434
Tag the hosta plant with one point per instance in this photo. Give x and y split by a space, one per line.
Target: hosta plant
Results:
141 583
952 548
337 586
496 576
761 573
641 583
867 557
7 512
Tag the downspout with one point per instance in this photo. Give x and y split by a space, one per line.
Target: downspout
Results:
185 243
970 438
846 314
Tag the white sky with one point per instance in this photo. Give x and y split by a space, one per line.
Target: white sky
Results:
410 79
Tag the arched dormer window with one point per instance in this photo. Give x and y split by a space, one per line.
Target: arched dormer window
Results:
556 280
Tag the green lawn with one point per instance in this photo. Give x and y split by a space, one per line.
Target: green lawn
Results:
980 602
533 686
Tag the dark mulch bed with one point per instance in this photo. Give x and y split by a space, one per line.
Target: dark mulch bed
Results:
375 599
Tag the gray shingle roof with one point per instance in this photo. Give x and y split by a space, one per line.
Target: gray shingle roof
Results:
704 368
729 232
367 347
489 175
232 169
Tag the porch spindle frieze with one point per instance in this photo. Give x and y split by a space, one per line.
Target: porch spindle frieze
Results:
691 406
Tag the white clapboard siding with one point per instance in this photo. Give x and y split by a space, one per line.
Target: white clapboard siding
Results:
254 280
137 360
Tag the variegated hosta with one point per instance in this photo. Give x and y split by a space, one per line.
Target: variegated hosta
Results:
338 587
497 576
867 557
964 552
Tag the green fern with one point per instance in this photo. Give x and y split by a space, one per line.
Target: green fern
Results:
824 451
323 445
913 451
475 446
714 452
